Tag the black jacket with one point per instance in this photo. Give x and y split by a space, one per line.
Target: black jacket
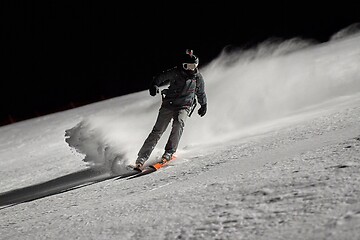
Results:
183 86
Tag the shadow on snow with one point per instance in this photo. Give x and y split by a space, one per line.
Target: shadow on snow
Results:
59 185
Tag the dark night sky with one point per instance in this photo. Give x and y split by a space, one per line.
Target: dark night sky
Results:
62 54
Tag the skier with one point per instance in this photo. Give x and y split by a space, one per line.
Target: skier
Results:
185 81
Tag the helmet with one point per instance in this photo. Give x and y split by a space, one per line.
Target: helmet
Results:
189 60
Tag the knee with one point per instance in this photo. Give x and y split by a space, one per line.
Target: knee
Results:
179 122
157 131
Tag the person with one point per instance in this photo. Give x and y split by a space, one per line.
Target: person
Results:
186 84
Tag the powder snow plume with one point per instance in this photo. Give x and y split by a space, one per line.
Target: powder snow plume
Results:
244 88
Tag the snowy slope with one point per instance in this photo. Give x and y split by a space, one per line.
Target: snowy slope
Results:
245 89
277 156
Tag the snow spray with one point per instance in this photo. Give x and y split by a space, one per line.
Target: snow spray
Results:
244 88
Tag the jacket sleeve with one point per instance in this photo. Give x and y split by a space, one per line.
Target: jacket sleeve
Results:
163 78
200 90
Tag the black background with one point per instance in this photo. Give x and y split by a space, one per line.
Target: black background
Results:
58 55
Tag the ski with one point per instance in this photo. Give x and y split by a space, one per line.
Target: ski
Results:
145 171
128 174
134 173
152 168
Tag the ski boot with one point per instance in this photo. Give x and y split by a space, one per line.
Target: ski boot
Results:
139 164
166 157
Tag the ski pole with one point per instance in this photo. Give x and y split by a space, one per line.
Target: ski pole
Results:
193 107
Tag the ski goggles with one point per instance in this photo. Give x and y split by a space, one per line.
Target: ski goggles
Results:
189 66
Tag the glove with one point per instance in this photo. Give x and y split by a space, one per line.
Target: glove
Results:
153 90
202 110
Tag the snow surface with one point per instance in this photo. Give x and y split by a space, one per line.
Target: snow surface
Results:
276 157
